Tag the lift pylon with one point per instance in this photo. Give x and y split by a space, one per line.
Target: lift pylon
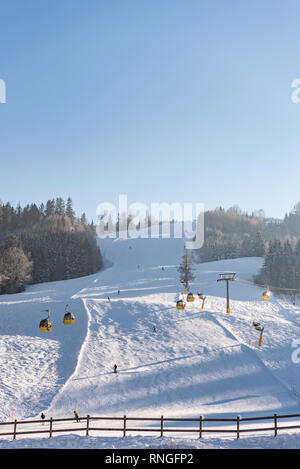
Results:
227 277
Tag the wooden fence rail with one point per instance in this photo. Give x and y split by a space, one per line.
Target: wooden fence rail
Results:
161 428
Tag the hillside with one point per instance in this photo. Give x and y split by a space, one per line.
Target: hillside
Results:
198 362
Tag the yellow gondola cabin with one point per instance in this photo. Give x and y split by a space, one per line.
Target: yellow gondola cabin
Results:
266 295
45 324
180 304
68 317
190 297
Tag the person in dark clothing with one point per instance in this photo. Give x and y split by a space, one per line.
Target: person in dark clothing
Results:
43 417
108 298
118 292
154 328
115 368
76 416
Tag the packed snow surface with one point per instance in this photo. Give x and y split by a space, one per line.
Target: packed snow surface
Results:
198 362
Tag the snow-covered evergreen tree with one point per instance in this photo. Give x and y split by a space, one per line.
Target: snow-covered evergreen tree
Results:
185 269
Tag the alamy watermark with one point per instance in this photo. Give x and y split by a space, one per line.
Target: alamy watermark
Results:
296 353
184 220
2 92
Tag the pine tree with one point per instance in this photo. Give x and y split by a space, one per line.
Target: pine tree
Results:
60 206
287 277
42 209
185 269
259 247
83 219
69 210
50 208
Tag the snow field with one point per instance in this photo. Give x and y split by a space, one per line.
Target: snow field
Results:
199 362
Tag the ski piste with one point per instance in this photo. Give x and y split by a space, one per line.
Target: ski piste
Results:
201 362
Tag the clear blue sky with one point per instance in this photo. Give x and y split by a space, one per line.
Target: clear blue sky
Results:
163 100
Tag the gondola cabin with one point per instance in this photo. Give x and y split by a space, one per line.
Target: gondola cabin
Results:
180 304
68 317
45 325
190 297
266 295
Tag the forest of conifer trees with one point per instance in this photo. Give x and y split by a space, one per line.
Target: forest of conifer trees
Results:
45 243
281 268
232 234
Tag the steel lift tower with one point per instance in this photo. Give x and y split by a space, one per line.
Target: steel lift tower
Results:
227 277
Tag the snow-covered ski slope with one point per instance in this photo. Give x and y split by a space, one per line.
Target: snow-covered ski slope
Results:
198 362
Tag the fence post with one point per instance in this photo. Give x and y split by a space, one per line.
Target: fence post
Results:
238 427
162 425
200 428
124 427
275 425
87 425
15 429
50 430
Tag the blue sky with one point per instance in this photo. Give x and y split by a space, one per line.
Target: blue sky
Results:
162 100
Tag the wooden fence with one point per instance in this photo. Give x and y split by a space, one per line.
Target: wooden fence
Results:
200 426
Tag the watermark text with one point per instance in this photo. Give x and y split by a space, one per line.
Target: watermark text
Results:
2 92
166 220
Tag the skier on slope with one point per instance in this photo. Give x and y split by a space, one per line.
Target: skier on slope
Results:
115 368
76 416
43 417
